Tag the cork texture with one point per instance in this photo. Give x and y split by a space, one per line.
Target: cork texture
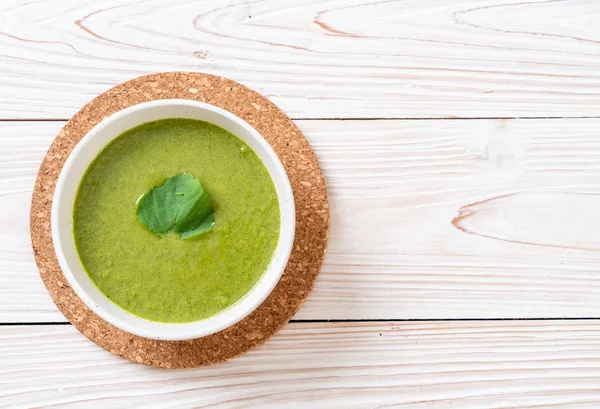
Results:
312 220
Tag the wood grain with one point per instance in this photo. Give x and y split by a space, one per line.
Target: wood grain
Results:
429 219
467 365
22 147
493 218
350 59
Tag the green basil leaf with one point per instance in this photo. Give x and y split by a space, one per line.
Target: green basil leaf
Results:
204 226
179 205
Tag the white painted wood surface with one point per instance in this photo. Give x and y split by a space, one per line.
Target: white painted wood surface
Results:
431 219
458 219
337 58
466 365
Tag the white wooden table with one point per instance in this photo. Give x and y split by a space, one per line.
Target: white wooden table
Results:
460 141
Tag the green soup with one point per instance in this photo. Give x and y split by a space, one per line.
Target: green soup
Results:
164 278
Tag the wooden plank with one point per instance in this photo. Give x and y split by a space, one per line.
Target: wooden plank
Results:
22 147
430 219
468 365
433 58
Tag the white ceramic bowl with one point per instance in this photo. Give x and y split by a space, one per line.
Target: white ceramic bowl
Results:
64 198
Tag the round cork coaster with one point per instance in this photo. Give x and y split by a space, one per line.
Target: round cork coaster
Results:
312 220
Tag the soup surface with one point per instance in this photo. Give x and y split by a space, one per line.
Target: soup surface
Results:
165 278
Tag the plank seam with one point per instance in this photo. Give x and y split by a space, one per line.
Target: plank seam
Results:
366 320
475 118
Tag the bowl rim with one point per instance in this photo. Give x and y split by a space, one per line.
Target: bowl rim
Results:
223 319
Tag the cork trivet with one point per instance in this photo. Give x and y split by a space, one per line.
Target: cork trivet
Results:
312 220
